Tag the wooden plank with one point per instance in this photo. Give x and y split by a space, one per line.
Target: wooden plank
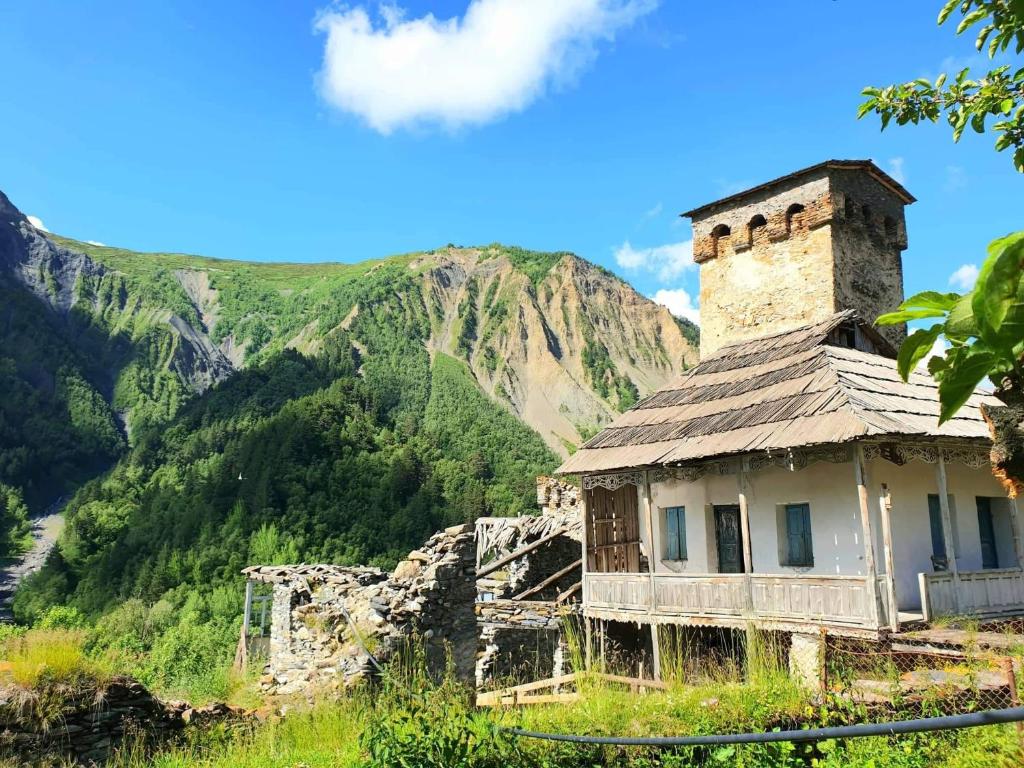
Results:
503 561
569 592
485 700
536 685
632 681
548 581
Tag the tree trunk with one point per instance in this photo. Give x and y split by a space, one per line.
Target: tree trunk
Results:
1006 423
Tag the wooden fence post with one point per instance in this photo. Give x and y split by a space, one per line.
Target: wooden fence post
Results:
1011 682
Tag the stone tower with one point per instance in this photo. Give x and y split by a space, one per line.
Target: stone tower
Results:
798 249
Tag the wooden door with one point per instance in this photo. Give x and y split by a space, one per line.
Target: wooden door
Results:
728 538
614 536
987 531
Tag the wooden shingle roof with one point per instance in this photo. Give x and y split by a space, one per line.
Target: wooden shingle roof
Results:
788 390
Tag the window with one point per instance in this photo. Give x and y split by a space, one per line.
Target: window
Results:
720 232
791 213
675 533
891 230
755 223
799 549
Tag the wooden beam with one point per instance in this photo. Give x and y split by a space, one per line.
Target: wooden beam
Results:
885 506
549 580
947 528
501 562
653 548
866 532
574 588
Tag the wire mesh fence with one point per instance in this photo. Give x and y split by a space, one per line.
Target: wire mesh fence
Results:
913 680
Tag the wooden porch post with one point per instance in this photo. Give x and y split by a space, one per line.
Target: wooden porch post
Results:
947 528
748 564
653 548
1015 528
885 506
588 633
865 524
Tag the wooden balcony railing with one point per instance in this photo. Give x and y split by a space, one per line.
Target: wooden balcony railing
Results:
989 593
785 598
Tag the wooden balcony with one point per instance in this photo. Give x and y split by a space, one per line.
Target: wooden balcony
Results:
782 600
990 593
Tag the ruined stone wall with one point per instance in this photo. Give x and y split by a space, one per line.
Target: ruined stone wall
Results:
795 253
521 641
326 621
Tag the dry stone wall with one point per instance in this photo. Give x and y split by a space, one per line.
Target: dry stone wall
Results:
95 720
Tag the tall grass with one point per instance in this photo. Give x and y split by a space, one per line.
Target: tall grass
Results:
47 656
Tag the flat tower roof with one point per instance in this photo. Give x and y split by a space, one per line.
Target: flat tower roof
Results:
863 165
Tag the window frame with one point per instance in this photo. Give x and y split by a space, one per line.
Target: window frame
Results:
679 512
805 534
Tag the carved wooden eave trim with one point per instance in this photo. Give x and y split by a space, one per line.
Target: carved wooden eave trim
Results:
791 460
974 456
614 481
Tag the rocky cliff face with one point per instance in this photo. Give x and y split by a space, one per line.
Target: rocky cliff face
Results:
86 294
565 352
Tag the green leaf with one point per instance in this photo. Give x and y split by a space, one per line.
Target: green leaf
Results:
998 300
947 9
905 315
969 368
931 300
961 324
917 345
971 19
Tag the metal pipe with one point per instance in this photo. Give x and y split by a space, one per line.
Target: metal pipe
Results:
923 725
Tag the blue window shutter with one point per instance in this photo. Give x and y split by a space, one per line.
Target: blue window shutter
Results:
675 533
798 535
682 532
935 518
672 533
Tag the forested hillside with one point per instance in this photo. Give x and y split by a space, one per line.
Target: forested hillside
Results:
212 414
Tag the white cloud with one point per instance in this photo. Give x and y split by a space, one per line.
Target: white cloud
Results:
667 261
36 222
95 242
964 278
679 303
496 59
896 170
655 211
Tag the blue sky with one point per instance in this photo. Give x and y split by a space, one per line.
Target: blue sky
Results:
294 130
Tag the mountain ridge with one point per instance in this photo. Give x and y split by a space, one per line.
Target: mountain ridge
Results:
226 314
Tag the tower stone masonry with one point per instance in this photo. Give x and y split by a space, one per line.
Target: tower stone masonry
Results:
798 249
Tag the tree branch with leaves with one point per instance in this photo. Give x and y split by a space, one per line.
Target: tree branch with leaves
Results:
963 100
983 330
